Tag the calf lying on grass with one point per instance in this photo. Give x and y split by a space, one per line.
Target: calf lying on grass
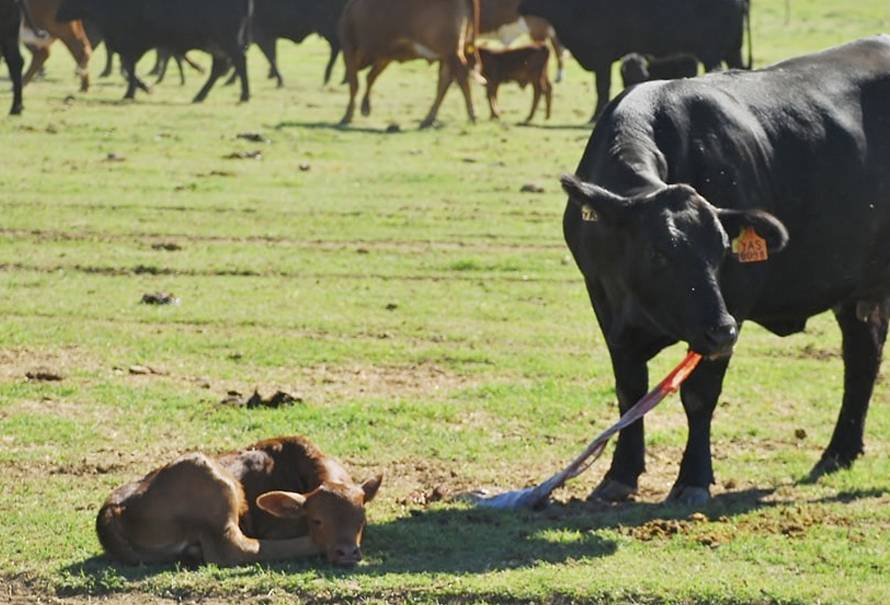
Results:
524 65
277 499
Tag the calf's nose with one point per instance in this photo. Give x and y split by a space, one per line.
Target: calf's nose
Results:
348 555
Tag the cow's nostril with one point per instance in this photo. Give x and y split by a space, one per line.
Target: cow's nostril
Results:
722 337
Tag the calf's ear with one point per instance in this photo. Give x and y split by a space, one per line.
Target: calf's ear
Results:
595 203
371 486
282 504
763 223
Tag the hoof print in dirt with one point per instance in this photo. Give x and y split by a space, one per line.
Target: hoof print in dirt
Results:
279 399
159 298
43 375
253 137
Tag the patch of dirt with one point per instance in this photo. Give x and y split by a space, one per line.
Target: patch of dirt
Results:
277 400
244 155
339 382
25 363
159 298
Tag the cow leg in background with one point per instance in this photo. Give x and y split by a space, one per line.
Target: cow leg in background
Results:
375 72
109 63
446 76
863 343
12 54
699 394
81 50
162 61
491 91
178 58
239 59
603 86
462 72
268 48
560 58
129 66
351 60
536 98
220 66
629 458
548 95
39 55
329 69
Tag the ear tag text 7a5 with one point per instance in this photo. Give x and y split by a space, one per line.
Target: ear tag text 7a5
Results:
588 214
750 247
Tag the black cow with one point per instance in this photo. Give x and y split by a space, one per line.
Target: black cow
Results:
295 20
637 68
131 28
761 196
599 32
10 21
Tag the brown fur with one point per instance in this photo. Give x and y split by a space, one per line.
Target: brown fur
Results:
374 33
72 35
525 65
277 499
495 14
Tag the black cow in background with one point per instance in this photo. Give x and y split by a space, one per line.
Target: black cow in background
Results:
10 22
637 68
295 20
600 32
133 27
761 196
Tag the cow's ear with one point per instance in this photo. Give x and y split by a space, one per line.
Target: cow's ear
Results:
595 203
764 224
282 504
371 486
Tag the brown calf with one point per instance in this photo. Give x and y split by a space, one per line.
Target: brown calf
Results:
278 499
72 35
375 33
524 65
501 19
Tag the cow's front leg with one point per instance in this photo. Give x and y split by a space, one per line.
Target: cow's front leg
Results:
603 87
864 329
629 458
699 393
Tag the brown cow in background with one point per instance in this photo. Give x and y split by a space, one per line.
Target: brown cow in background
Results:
501 19
72 35
374 33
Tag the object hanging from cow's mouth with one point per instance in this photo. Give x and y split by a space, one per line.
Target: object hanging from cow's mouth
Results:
538 496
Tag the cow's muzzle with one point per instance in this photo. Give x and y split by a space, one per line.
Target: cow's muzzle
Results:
718 341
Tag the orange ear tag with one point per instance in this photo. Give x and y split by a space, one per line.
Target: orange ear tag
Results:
750 247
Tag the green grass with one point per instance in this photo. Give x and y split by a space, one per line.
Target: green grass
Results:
428 314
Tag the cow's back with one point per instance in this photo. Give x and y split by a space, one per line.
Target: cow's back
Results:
385 26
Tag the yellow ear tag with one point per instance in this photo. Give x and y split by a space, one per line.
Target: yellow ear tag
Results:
588 214
750 247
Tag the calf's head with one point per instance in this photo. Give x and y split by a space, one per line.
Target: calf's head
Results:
667 252
335 513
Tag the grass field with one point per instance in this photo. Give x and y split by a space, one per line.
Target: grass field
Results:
428 316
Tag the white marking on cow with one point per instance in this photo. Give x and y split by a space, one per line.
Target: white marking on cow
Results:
29 37
81 71
507 34
424 52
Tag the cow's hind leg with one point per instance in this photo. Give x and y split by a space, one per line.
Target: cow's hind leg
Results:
268 47
239 59
863 343
332 60
446 75
39 55
375 72
462 73
536 99
699 394
219 67
79 47
14 63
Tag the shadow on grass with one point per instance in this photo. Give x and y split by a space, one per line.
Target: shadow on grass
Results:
548 126
340 128
461 541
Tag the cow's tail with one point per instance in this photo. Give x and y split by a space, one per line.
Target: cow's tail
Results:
245 34
472 36
750 38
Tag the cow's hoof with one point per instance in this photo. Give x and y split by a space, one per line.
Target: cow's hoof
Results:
366 108
16 110
610 490
688 495
427 123
828 464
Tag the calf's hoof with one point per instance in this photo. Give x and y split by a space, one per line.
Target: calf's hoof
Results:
610 490
427 123
366 108
688 495
16 110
